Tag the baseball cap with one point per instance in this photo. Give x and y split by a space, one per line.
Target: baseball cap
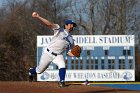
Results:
69 21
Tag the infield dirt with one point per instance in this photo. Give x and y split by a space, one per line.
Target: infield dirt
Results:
52 87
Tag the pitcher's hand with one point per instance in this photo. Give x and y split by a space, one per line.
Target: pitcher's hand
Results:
35 14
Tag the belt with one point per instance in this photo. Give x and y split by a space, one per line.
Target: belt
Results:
51 52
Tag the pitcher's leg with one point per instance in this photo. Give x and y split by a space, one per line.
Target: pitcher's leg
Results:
62 73
59 61
43 64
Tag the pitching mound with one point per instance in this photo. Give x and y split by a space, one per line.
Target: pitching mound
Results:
52 87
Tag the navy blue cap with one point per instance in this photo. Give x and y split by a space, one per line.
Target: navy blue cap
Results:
70 22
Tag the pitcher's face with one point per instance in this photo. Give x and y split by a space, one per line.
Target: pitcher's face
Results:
69 27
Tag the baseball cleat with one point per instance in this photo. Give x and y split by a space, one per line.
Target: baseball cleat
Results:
62 84
30 78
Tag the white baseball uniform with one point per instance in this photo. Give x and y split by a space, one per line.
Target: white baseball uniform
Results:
61 41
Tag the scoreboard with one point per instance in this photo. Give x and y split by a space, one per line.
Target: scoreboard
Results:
103 58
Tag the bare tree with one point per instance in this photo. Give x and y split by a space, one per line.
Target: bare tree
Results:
19 32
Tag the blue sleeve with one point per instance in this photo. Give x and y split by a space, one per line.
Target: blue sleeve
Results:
70 40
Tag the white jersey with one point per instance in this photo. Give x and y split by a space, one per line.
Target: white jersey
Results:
61 41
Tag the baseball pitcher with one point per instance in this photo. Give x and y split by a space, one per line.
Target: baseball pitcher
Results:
61 41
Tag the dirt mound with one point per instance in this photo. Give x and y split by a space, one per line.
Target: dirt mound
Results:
52 87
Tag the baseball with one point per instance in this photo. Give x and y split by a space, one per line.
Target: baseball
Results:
34 14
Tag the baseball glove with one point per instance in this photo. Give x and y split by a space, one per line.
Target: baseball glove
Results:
76 51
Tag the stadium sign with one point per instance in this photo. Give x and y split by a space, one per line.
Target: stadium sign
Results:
103 58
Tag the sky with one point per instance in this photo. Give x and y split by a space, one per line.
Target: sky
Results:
2 2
